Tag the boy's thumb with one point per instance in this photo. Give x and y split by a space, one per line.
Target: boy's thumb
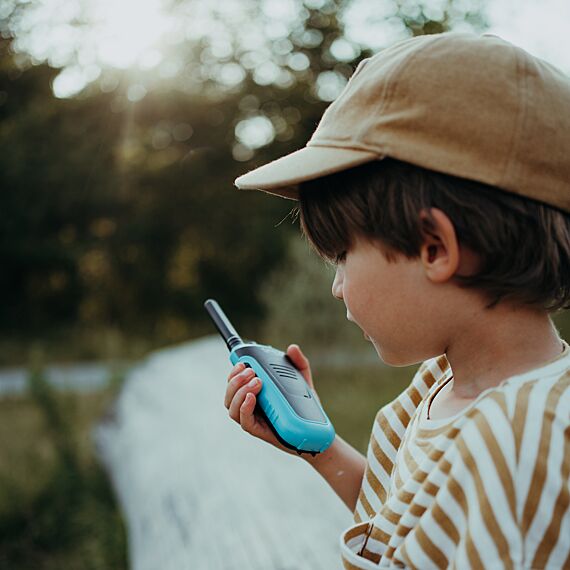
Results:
295 352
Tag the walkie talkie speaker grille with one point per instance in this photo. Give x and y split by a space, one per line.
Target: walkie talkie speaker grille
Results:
287 378
284 370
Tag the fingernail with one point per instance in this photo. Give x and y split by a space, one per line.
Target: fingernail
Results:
246 373
253 382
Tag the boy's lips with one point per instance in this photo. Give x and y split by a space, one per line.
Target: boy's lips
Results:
348 315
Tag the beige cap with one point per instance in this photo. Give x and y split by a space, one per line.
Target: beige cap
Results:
472 106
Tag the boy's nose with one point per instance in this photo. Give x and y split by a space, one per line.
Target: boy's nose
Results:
337 286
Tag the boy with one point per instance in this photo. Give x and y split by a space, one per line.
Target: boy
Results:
439 183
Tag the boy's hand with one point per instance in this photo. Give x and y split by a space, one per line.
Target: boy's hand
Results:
241 397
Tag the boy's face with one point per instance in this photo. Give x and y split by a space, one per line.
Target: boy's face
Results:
410 309
384 299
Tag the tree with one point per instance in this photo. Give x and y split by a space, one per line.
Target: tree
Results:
117 205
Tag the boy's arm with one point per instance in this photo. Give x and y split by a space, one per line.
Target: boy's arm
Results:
343 468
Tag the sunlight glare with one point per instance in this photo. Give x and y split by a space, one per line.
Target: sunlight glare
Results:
130 31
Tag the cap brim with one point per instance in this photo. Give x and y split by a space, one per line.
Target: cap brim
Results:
282 176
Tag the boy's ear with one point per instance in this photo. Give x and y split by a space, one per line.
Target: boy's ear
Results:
439 252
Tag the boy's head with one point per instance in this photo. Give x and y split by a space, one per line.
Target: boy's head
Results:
454 145
514 249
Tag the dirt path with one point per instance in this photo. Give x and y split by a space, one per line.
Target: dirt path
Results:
200 494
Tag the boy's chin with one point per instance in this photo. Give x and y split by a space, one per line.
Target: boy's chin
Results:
390 359
381 356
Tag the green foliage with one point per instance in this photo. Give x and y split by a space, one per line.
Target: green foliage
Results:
69 520
561 321
300 307
111 216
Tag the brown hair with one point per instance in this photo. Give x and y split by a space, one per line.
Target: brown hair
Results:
523 245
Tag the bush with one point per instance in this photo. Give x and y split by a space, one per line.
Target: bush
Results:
66 519
301 309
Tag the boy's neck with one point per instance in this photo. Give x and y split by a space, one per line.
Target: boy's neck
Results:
504 342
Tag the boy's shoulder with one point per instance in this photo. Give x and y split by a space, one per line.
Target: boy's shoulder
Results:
545 385
524 420
431 372
543 391
524 409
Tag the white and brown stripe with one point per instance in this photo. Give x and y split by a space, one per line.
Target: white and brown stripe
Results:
487 488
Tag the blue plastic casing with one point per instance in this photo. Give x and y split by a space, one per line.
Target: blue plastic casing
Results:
290 406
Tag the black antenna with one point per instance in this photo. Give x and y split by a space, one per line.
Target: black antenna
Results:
225 328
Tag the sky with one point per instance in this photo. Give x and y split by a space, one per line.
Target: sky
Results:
538 26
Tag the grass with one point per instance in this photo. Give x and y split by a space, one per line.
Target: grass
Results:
57 509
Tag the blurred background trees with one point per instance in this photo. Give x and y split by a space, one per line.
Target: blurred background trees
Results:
123 126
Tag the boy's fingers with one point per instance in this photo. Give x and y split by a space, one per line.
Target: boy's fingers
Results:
246 419
235 370
294 352
239 399
235 383
295 348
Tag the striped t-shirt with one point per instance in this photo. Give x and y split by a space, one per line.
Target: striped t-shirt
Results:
485 488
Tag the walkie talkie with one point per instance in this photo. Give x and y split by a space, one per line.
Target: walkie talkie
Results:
285 401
